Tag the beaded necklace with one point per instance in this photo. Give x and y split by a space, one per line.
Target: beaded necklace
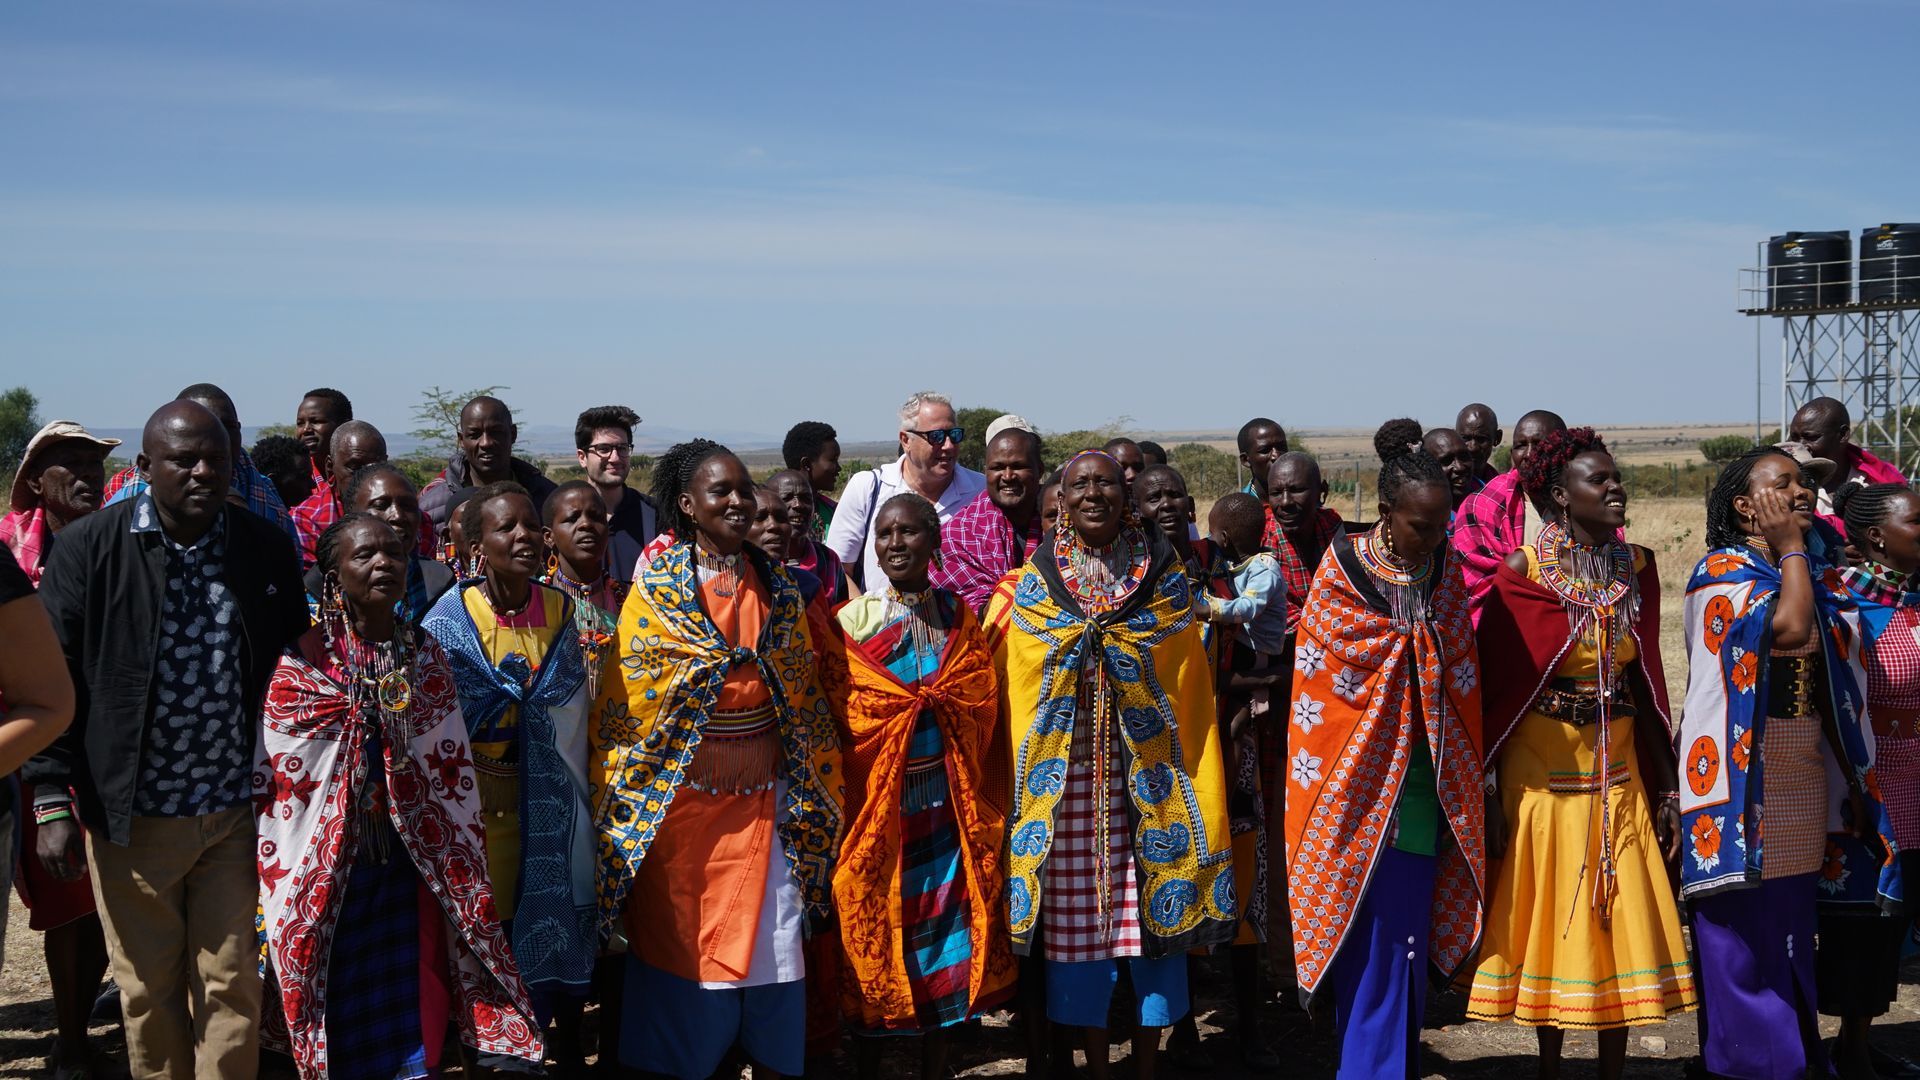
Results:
1101 578
1596 586
723 571
379 693
1404 587
916 609
594 626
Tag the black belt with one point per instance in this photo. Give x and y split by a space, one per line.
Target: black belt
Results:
1577 702
1792 682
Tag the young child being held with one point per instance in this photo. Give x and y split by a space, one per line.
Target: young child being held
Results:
1258 609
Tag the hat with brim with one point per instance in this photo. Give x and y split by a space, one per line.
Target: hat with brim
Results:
1814 470
1009 422
22 496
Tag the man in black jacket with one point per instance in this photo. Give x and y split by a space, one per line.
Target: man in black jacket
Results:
172 608
483 454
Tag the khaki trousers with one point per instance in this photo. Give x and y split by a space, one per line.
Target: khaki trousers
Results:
178 908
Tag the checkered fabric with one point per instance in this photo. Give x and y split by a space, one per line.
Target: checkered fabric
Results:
1071 926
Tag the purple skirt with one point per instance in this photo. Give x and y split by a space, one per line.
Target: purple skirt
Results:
1759 1010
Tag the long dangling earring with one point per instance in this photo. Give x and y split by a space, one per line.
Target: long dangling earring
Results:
331 604
1386 539
553 562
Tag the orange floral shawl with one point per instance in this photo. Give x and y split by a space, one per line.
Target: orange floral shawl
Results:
1359 683
877 714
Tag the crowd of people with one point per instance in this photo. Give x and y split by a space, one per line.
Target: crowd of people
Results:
387 780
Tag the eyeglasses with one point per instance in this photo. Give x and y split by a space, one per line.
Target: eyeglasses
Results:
940 437
607 450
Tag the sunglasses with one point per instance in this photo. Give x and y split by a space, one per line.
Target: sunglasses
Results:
940 437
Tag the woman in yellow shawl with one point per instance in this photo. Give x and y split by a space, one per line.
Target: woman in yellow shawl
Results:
1118 843
918 889
717 792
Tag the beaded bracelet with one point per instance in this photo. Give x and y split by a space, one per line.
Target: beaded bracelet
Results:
1795 555
42 816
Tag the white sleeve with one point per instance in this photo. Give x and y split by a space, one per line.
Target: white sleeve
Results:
847 535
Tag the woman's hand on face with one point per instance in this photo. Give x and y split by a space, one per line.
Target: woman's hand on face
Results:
1666 828
1774 519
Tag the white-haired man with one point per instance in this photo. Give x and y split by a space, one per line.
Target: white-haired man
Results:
928 466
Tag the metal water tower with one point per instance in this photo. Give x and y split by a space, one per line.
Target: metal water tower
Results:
1861 346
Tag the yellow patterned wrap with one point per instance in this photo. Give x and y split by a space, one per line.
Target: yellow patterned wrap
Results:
1160 692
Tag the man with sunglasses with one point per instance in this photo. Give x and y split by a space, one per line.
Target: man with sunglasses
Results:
929 466
603 436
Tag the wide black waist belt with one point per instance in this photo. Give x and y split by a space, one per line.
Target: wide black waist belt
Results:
1577 702
1792 682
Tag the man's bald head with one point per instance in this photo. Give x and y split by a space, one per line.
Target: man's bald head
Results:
217 402
354 445
185 452
1824 425
1530 429
1480 428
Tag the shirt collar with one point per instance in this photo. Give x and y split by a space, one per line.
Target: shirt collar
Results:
146 518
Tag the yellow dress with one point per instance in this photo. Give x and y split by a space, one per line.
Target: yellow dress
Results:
1546 959
496 750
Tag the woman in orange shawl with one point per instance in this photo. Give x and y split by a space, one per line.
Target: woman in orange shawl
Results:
1386 826
920 881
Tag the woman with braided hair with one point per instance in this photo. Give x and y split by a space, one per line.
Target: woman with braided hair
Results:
381 922
1858 966
1775 730
1582 930
716 788
1386 846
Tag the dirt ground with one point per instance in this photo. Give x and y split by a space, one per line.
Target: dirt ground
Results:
994 1047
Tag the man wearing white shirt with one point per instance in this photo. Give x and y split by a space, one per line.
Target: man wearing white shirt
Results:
929 466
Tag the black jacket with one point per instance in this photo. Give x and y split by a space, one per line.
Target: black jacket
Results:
105 586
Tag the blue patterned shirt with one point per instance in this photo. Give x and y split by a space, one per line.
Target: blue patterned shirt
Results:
198 753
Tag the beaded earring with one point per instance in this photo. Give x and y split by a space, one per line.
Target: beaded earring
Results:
1386 538
553 562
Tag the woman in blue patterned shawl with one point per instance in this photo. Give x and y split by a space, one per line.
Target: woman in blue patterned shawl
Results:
1775 728
517 665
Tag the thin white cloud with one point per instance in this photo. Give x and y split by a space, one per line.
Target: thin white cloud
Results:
1635 142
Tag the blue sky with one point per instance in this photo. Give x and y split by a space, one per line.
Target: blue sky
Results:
737 216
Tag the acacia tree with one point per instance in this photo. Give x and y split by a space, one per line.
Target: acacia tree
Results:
19 419
437 417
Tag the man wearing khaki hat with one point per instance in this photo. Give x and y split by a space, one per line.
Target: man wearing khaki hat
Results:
60 481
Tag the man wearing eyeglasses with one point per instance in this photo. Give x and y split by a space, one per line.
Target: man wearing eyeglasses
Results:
929 466
604 439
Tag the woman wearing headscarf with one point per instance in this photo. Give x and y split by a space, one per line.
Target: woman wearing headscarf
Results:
1775 724
919 888
1582 930
1857 969
717 786
1118 837
517 665
1386 834
379 917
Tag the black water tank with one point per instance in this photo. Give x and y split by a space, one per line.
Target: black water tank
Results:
1809 269
1890 263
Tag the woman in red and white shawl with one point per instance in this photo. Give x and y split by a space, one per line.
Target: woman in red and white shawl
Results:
1386 827
379 914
